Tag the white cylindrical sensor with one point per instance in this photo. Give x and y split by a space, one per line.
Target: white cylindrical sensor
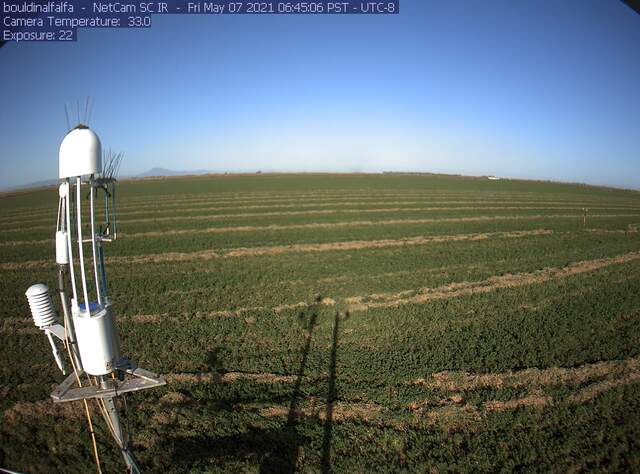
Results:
62 248
97 340
41 305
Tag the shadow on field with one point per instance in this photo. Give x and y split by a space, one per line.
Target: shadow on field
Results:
332 395
279 449
284 456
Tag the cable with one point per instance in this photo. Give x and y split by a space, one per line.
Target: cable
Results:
86 405
93 240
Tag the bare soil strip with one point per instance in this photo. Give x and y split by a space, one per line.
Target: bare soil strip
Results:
454 290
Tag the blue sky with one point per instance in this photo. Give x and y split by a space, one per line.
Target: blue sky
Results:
528 89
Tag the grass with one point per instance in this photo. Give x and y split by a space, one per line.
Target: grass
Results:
346 323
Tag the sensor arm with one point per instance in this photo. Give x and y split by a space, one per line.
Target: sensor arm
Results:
56 353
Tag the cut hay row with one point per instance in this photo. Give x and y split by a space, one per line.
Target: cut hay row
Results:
23 325
210 254
528 378
302 195
455 290
360 223
228 377
367 201
158 206
325 193
376 244
450 414
418 296
170 202
313 208
449 382
293 248
339 211
310 195
212 214
316 225
351 245
151 207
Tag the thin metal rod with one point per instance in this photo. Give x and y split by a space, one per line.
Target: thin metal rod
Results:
93 242
66 113
115 215
89 110
83 276
68 322
71 269
103 272
58 223
77 373
86 110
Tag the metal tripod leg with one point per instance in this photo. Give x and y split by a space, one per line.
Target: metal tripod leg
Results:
120 436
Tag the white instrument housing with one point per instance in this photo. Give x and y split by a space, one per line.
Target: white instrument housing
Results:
97 340
80 153
62 248
42 311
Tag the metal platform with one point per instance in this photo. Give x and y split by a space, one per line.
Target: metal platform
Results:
138 379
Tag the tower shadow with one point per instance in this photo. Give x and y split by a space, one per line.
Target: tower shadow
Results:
332 396
284 458
275 449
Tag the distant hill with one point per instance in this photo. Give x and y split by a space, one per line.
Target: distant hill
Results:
36 184
152 173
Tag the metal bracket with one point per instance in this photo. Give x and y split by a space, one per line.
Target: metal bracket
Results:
57 330
140 379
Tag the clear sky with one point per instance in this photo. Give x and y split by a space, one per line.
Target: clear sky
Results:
532 89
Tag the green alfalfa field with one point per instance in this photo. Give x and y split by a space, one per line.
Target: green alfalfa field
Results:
345 323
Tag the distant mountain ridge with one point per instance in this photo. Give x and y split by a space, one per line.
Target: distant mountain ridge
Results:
156 172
